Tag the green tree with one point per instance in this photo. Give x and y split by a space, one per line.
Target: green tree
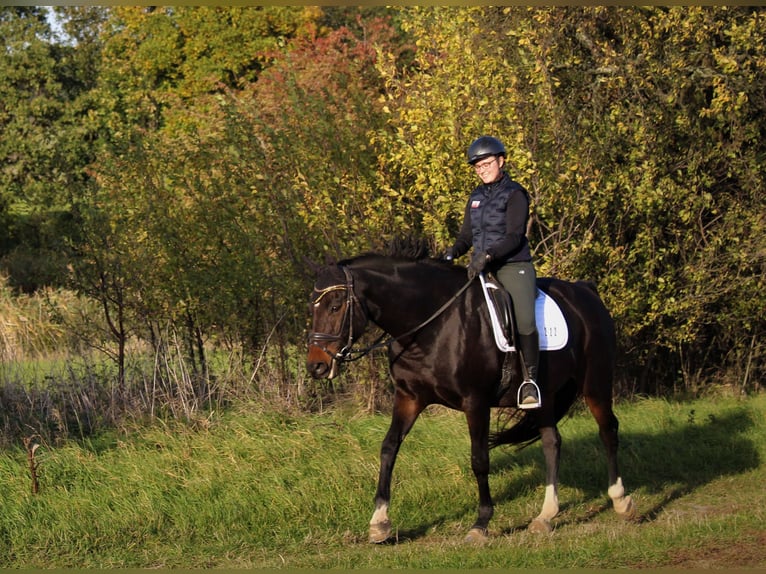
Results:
637 132
318 107
664 106
207 208
44 148
153 222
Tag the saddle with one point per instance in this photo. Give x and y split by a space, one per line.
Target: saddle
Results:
500 309
551 326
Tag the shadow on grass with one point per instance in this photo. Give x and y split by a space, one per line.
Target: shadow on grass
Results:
668 464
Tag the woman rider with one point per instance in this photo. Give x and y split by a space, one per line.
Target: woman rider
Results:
495 225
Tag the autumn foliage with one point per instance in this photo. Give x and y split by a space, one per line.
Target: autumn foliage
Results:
181 166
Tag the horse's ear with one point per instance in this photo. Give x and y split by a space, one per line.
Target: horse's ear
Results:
312 265
317 267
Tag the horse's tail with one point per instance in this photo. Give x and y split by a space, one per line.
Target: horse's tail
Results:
520 428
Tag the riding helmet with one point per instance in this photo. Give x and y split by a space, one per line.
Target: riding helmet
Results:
484 146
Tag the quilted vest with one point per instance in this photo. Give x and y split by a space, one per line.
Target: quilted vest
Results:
489 204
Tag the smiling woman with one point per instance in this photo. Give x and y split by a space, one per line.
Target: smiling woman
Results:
495 225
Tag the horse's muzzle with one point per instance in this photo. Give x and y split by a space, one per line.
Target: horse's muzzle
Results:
320 364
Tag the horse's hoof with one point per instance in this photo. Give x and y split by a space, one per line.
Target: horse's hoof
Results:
380 532
540 526
626 509
476 536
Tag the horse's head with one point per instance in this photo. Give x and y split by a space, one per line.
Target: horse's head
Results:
337 321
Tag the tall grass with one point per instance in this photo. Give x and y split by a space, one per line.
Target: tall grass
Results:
26 326
58 379
253 488
236 470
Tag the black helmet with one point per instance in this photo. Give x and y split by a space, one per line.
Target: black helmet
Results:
484 146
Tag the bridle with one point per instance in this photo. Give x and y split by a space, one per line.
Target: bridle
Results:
321 339
347 353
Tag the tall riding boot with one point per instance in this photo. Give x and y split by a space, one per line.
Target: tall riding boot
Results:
529 393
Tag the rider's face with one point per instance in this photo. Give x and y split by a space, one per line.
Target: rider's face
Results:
489 168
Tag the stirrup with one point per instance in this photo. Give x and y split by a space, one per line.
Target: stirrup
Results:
529 405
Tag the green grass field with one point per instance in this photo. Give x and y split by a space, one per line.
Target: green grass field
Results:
256 489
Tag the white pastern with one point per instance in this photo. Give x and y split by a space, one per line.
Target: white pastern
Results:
622 504
550 504
617 490
380 515
380 525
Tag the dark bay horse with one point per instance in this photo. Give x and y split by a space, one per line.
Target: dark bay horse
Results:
441 351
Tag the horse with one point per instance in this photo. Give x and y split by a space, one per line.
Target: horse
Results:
441 351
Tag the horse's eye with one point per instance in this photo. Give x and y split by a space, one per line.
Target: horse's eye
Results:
335 308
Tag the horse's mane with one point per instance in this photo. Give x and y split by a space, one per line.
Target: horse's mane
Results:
407 248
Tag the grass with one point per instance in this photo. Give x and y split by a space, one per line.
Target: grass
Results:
256 489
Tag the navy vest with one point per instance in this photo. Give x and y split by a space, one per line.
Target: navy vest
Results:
489 204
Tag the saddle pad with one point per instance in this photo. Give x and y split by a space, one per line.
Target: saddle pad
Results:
551 326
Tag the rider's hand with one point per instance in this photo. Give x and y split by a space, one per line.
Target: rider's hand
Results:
478 262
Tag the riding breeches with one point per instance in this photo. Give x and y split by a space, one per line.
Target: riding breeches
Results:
520 279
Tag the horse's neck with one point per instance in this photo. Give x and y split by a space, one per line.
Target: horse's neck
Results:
397 303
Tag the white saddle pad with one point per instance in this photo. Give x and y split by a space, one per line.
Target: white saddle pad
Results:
551 325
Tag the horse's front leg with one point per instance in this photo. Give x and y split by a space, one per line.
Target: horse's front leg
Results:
551 440
405 413
478 427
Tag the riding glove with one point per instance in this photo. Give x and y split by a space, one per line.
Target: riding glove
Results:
479 261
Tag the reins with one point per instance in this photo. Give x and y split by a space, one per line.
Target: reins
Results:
350 355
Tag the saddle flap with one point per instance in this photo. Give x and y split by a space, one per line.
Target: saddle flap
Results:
501 300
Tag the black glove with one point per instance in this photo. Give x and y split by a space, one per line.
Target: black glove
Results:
449 255
478 262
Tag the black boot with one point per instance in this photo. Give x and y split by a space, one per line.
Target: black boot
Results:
529 393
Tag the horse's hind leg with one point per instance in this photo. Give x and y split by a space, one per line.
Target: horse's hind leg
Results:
405 413
551 441
607 430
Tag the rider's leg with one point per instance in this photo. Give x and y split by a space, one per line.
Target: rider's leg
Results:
529 393
520 280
